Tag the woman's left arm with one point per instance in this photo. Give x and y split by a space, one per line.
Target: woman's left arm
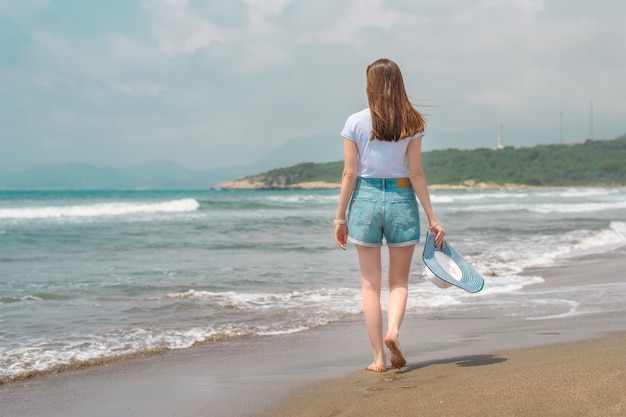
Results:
420 187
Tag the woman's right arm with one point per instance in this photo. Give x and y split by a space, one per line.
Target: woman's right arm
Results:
348 180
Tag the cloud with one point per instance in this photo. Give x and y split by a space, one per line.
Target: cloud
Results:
260 10
128 54
67 56
355 18
178 28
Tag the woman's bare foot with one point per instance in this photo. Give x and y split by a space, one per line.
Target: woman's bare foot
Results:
376 368
397 359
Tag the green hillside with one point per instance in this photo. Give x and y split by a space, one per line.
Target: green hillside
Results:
593 163
589 163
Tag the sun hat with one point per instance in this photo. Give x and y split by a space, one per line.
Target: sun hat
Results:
447 267
435 280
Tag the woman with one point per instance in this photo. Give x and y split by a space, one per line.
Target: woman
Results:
382 174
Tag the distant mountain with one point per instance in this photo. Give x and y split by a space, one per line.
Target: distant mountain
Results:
167 174
67 176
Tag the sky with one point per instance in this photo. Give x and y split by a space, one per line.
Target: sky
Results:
219 83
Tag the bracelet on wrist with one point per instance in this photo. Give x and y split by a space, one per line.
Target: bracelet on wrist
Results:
337 222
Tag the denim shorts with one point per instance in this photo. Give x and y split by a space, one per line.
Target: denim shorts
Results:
383 208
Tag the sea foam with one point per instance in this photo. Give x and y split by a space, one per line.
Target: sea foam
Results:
99 210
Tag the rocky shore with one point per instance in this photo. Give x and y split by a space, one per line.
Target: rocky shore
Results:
274 183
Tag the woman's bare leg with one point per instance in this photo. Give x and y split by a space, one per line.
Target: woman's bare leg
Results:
370 264
399 267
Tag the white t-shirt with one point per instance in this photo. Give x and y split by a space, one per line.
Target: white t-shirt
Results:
377 158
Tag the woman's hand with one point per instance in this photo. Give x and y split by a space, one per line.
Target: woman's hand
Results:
439 234
341 235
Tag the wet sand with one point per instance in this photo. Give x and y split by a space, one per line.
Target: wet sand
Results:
469 366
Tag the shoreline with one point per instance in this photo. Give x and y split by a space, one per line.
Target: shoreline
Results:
270 372
247 185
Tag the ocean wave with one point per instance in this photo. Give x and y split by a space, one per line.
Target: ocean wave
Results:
304 198
49 355
475 196
342 300
604 240
543 208
18 299
35 297
555 309
577 207
580 192
494 285
99 210
235 314
571 200
438 196
515 256
261 200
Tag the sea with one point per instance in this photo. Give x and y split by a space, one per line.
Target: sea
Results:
88 277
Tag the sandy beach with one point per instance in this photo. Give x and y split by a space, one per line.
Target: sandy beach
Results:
469 366
575 379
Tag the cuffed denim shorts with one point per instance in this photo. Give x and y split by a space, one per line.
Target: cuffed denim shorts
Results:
383 208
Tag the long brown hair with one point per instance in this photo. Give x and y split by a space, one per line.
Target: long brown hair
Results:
393 115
